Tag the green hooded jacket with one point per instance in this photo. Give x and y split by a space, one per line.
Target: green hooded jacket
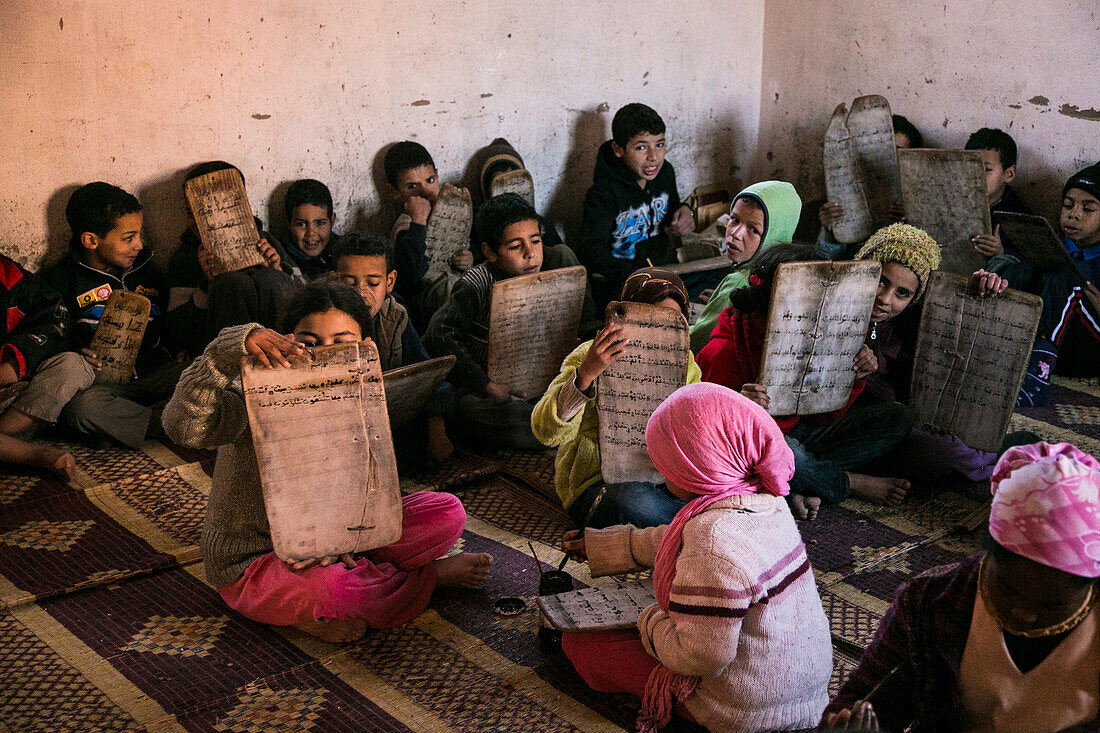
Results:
782 207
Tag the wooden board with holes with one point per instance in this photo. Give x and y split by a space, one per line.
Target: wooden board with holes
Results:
598 608
324 451
118 335
224 219
944 193
533 322
410 388
970 359
817 320
654 364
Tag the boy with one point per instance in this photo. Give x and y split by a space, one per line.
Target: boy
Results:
412 176
105 254
998 151
200 304
38 374
309 217
364 260
632 203
511 240
1069 327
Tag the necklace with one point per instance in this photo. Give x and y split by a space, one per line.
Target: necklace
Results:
1059 628
874 330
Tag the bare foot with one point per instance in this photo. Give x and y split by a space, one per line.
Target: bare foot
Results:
53 459
336 631
878 490
464 570
804 507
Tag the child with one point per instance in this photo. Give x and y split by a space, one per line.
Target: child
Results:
364 260
737 639
998 151
106 254
38 374
632 202
566 417
1068 339
1005 640
908 255
512 245
309 216
827 448
200 303
413 179
334 598
761 216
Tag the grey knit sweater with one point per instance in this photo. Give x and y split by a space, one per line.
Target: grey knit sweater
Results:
207 411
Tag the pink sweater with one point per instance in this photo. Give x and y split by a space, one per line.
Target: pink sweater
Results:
744 613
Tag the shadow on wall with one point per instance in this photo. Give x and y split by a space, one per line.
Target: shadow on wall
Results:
590 130
165 207
276 222
381 219
57 227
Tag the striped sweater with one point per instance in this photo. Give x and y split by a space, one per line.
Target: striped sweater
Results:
744 614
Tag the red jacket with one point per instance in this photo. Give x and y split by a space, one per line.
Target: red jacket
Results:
35 324
733 356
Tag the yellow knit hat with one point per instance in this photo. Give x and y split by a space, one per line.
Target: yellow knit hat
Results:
907 246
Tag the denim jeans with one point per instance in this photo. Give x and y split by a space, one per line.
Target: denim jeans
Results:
634 502
823 454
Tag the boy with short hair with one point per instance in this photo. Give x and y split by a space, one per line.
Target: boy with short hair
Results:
309 218
512 244
414 180
201 304
999 155
106 254
632 203
364 260
38 373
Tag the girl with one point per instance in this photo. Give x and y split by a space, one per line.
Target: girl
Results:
1008 640
738 635
335 598
908 255
566 416
827 448
762 215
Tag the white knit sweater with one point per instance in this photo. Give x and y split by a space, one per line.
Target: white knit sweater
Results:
744 613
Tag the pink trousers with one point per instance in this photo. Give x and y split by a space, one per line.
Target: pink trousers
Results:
389 586
613 661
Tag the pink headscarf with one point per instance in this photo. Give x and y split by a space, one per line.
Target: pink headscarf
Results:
711 441
1046 507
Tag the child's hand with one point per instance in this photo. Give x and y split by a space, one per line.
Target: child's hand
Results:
758 393
8 373
308 562
682 221
606 348
989 245
704 296
897 211
573 544
92 359
462 260
1093 295
503 392
988 283
271 257
866 363
271 347
207 262
830 213
860 716
418 208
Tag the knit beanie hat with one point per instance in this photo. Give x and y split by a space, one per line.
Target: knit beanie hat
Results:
1086 179
497 157
907 246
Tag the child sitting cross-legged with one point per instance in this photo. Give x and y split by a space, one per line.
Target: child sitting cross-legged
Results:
511 240
737 639
364 260
567 417
335 598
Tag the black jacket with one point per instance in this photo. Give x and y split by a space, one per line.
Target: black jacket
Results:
622 228
36 323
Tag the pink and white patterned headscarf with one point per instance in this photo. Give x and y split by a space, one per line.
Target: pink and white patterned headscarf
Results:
1046 507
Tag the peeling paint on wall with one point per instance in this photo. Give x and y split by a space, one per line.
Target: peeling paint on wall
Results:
1072 110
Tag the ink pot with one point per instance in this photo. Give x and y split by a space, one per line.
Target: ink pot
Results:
509 606
552 583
